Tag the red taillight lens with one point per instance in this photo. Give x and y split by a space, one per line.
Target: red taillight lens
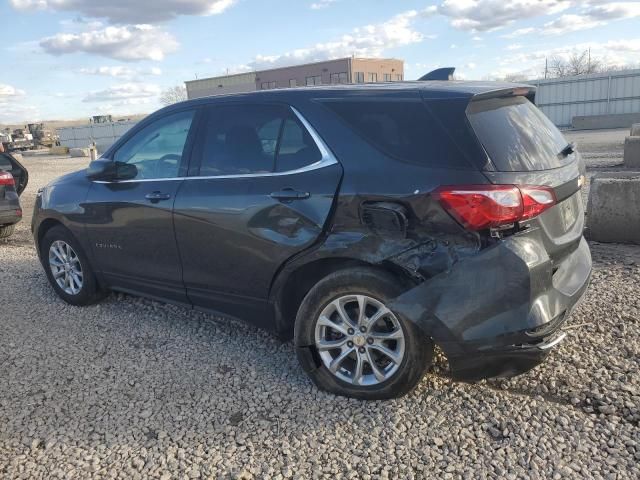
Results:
6 179
478 207
536 200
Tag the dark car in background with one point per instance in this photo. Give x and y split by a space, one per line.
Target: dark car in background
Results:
368 222
13 180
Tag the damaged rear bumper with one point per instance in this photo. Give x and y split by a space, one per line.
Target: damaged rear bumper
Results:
500 312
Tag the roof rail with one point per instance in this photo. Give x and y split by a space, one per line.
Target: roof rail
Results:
445 73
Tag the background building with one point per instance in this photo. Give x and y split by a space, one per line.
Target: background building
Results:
342 70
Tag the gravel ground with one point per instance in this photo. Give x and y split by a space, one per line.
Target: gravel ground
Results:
132 388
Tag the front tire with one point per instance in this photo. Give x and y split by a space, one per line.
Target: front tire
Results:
68 269
350 343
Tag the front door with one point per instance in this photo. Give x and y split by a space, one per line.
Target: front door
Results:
130 222
263 193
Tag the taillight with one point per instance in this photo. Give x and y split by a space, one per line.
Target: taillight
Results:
478 207
6 179
536 200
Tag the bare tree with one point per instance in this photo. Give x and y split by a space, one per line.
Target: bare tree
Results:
557 67
173 95
578 63
515 78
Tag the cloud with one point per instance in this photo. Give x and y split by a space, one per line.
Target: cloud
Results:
614 54
591 16
13 108
8 92
519 32
18 113
487 15
127 73
569 23
321 4
128 93
630 46
368 41
128 11
127 43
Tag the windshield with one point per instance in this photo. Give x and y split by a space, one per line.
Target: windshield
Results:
517 135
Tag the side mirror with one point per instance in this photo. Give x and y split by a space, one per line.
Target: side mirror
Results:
109 171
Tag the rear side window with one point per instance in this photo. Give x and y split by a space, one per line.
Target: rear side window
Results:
297 148
253 139
404 130
517 136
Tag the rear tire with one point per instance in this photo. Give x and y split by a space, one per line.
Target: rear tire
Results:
68 269
6 232
330 315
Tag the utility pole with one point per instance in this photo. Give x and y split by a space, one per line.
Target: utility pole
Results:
546 67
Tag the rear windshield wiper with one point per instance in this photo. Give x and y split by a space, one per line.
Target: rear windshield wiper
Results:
568 150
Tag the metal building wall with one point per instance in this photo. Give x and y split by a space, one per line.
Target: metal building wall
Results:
103 134
607 93
239 83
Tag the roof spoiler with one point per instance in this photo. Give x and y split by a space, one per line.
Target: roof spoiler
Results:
527 91
445 73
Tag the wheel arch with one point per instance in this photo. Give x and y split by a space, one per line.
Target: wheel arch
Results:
44 226
293 286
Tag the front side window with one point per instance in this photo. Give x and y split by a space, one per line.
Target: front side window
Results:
359 77
293 83
387 77
373 77
156 150
252 139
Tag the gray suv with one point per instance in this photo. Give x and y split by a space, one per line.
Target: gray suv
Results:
368 222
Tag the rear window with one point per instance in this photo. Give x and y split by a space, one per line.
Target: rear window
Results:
517 136
404 130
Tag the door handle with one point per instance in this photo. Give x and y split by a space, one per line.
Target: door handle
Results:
289 194
155 197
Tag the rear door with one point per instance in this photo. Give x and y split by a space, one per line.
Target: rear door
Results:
8 163
262 191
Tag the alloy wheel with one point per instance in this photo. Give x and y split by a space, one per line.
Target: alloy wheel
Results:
359 340
65 267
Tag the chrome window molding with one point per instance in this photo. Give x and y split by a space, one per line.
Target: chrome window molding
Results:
327 159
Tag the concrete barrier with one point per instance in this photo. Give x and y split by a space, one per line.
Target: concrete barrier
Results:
79 152
613 210
635 130
612 120
632 152
57 150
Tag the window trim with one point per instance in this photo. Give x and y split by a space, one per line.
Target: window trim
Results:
326 160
